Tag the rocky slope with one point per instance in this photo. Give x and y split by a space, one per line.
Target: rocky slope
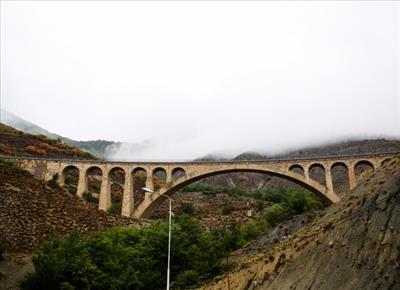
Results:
214 210
354 245
31 211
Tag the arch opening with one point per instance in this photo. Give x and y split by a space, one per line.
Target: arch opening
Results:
178 173
93 181
340 178
116 178
318 189
139 178
317 173
159 178
295 168
70 178
363 169
385 161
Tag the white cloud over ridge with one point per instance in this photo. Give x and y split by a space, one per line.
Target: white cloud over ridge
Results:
201 77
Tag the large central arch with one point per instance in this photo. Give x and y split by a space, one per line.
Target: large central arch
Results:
154 200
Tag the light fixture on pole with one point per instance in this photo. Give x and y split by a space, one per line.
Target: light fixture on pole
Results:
169 230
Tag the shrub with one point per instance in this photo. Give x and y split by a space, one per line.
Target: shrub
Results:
53 182
128 258
277 213
11 167
186 208
44 146
89 197
5 149
115 208
227 209
253 229
34 150
3 248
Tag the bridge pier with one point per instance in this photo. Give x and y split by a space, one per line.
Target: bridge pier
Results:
352 176
128 198
328 178
149 181
82 183
105 193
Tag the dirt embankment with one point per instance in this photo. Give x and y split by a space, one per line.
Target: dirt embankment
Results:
354 245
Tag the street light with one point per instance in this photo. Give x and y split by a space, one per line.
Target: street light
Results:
169 230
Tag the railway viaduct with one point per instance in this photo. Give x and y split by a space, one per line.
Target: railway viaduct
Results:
179 174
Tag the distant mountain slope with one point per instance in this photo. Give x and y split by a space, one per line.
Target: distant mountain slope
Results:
95 147
25 126
17 143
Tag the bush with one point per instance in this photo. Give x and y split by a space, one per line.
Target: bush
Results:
277 213
11 167
89 197
186 208
3 248
128 258
53 182
34 150
5 149
115 208
44 146
227 209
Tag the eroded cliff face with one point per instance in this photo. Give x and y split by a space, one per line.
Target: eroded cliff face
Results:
354 245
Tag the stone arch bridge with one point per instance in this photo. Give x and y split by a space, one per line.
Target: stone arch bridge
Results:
180 174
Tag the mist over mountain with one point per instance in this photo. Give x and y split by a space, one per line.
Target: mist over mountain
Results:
158 149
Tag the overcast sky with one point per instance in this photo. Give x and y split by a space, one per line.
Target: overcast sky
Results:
201 77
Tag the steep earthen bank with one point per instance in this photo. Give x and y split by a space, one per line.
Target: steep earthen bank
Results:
354 245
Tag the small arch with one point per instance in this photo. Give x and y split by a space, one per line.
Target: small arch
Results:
116 179
296 168
159 177
177 173
139 178
317 172
385 161
93 177
363 168
70 178
340 178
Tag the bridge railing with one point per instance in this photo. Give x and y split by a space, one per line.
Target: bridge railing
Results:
149 161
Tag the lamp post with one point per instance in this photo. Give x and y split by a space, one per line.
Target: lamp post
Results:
169 231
